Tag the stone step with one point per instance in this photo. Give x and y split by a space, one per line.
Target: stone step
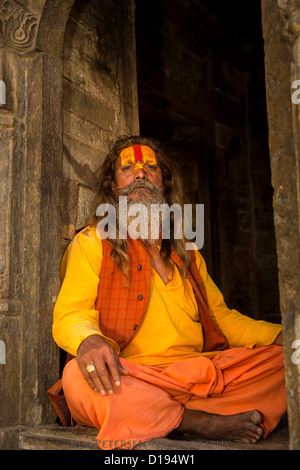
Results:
55 437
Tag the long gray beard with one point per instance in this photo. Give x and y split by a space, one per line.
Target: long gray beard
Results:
154 218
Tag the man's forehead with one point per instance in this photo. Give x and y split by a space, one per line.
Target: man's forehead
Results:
138 154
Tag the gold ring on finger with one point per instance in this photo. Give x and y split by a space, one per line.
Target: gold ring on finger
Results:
90 368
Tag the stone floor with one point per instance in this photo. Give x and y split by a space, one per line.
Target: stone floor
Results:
55 437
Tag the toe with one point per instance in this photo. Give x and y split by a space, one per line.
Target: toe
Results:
256 417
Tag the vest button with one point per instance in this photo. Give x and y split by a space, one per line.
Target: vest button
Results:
140 297
135 327
139 266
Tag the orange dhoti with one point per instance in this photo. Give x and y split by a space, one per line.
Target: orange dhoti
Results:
151 401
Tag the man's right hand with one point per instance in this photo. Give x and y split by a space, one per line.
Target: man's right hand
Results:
96 351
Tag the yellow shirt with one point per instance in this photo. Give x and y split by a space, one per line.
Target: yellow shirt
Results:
170 329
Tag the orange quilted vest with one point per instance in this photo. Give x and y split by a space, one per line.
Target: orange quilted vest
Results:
121 308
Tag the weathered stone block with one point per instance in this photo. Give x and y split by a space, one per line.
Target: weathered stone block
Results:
10 384
86 75
80 162
68 208
4 203
89 107
85 199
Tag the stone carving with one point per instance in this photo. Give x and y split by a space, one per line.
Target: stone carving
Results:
18 27
290 13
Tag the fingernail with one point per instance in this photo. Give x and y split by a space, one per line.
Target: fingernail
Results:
110 392
118 383
102 392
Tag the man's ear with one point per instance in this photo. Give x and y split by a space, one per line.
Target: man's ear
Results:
113 186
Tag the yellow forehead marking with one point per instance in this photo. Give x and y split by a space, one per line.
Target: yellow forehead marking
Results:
138 155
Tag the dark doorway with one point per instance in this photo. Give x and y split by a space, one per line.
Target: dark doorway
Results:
202 91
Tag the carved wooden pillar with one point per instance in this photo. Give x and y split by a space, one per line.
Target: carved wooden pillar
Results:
281 29
30 195
31 136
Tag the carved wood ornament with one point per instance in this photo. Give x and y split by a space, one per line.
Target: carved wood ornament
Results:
18 27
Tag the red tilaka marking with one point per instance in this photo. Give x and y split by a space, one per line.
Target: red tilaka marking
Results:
138 156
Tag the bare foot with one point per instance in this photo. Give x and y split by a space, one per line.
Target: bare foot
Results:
243 427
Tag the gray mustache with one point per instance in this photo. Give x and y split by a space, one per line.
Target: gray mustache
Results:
138 184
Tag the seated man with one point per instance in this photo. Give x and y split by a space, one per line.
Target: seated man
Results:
156 347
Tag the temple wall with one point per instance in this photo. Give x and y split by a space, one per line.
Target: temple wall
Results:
282 61
70 80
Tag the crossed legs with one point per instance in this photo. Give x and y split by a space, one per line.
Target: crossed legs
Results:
241 401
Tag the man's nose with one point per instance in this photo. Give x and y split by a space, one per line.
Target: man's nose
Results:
141 173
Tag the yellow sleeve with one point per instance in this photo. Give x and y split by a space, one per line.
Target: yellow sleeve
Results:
240 330
74 316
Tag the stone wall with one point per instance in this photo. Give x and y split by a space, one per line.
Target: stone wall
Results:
68 91
201 90
282 58
99 102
